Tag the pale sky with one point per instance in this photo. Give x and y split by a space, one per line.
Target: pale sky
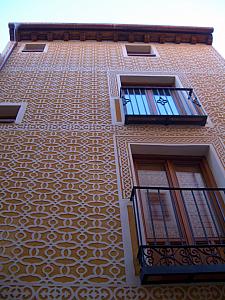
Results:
209 13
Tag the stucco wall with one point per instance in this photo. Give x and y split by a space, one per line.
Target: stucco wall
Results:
62 183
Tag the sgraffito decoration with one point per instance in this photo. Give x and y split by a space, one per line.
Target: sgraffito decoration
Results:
60 219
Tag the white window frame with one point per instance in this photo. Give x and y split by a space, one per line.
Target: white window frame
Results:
20 114
152 50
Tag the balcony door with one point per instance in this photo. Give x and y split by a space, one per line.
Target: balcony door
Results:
187 216
152 101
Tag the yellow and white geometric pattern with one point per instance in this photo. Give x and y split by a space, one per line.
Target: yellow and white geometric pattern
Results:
61 234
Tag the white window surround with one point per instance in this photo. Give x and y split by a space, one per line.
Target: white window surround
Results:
23 45
207 151
21 111
148 50
150 79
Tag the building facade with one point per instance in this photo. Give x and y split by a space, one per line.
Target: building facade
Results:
89 114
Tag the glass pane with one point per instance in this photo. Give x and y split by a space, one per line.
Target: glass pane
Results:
137 103
199 204
158 205
164 102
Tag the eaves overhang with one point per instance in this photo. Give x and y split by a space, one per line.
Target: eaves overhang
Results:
110 32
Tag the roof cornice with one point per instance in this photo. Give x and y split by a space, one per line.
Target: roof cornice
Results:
113 32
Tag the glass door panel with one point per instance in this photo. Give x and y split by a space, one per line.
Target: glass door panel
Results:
160 216
198 204
164 102
136 101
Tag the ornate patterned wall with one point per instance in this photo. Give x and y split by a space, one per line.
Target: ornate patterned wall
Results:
61 234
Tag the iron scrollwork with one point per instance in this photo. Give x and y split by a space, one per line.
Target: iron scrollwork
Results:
182 255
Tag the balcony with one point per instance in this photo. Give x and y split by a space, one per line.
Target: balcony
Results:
175 247
162 105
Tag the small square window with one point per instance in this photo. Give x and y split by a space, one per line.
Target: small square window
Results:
12 112
34 48
140 50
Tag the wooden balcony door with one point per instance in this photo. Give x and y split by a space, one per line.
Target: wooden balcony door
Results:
173 216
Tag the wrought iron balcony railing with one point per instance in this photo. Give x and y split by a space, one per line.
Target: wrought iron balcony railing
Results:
181 233
162 105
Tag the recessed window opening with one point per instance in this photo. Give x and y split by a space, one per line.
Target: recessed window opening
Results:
12 113
160 100
34 48
139 50
178 209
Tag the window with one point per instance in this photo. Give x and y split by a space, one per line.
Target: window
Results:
179 214
159 100
34 48
12 112
140 50
201 222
